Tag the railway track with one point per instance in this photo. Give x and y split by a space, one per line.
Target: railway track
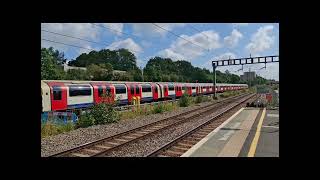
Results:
106 145
183 143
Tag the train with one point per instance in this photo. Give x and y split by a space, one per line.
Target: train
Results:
64 95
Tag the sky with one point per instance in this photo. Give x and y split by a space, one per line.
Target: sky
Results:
198 43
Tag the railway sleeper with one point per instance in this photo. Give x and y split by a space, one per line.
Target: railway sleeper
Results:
80 155
91 150
180 148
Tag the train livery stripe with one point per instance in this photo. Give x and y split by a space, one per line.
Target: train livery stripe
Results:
74 106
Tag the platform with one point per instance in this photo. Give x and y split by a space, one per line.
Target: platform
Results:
250 132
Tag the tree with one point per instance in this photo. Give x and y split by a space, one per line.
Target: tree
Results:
121 59
98 73
50 68
77 74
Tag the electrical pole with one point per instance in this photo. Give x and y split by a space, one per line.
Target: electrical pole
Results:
142 73
214 78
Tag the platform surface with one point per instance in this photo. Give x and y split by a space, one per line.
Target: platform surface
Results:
249 132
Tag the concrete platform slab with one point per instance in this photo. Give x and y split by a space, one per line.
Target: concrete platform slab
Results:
228 138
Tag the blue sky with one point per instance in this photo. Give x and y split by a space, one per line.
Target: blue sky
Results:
205 41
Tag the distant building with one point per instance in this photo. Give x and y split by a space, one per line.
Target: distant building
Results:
118 72
248 76
66 68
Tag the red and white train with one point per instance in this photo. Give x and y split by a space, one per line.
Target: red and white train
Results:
61 95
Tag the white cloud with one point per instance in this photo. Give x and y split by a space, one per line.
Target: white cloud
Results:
233 39
148 29
146 44
82 50
189 51
261 40
227 55
168 53
118 27
240 24
271 71
79 30
127 44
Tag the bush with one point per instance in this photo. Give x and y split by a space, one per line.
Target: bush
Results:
198 99
159 108
84 121
65 127
185 100
48 129
104 113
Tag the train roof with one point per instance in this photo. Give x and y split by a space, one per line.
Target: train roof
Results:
121 82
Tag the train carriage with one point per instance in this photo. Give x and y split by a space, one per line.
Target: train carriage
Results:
146 93
61 95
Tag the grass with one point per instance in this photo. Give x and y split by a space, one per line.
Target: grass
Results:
149 109
49 128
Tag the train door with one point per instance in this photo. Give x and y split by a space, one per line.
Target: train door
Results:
58 93
178 90
137 90
155 92
131 90
160 94
166 91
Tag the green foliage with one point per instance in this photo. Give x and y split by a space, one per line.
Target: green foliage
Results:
104 112
77 74
100 72
158 108
85 120
198 99
49 128
100 65
50 64
66 127
121 59
184 100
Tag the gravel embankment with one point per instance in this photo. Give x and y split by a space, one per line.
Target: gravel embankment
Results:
61 142
147 145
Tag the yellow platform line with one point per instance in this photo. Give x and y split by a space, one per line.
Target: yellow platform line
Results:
254 143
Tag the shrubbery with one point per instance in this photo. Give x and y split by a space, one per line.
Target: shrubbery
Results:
85 120
185 100
158 108
49 128
103 113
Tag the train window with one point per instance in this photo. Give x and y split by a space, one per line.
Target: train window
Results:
100 91
193 87
171 88
57 93
120 89
137 90
79 90
132 89
146 88
108 90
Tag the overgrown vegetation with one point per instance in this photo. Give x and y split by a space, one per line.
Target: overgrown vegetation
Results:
149 109
85 120
185 100
49 128
200 99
